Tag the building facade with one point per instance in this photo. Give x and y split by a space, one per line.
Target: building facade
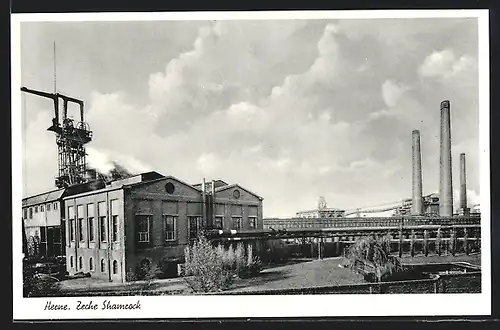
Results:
42 216
149 219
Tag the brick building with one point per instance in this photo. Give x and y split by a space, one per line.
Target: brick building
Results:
149 218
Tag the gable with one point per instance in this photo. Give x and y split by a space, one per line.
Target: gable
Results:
167 186
236 192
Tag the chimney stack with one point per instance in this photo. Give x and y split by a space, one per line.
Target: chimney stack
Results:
416 208
445 177
464 210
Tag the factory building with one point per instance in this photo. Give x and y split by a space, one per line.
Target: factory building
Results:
149 218
42 216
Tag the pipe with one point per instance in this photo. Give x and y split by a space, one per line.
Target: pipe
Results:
204 202
463 185
445 173
416 208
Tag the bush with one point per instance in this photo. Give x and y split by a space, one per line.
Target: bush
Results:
205 265
214 268
39 285
371 257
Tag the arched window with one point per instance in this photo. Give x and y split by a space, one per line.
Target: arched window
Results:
115 267
103 266
91 264
80 263
71 262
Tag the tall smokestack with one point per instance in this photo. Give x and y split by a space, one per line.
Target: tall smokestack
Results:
445 178
463 185
416 208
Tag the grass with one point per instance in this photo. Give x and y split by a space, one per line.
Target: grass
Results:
315 273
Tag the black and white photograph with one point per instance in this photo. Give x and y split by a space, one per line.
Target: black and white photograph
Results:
245 164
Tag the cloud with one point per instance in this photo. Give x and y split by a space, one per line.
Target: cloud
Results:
444 64
292 110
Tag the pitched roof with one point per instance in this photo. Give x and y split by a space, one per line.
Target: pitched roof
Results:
237 185
45 197
161 179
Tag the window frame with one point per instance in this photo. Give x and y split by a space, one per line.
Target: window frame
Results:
252 222
198 226
221 217
81 230
233 218
103 230
174 218
48 207
115 228
142 217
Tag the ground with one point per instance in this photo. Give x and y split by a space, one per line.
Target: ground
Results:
303 274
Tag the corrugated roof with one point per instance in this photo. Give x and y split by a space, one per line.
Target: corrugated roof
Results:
49 196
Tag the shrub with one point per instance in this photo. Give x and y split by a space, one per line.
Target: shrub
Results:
206 268
371 256
39 285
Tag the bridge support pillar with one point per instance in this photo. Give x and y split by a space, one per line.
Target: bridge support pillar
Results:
426 242
466 241
400 247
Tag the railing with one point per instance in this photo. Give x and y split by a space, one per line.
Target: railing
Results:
303 223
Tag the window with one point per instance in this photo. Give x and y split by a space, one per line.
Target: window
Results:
169 188
91 264
115 228
143 228
91 230
31 213
236 194
48 207
71 222
55 206
102 231
218 222
57 235
103 266
80 263
115 267
80 229
36 209
43 234
101 209
25 213
236 223
41 208
71 262
194 226
114 208
170 223
90 220
252 222
72 230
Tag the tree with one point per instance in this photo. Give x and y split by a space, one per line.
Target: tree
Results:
371 256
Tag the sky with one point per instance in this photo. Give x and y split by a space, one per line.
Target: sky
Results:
289 109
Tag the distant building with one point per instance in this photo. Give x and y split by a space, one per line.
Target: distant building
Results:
149 218
321 213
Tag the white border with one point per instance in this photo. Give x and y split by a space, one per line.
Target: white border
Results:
255 306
